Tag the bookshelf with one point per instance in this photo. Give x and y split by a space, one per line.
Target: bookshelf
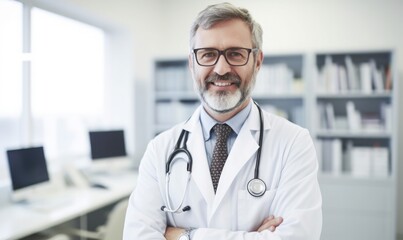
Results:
174 97
280 87
348 101
355 104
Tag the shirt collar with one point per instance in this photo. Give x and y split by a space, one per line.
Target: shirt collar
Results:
235 122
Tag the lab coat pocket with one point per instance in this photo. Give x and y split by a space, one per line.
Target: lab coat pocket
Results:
253 210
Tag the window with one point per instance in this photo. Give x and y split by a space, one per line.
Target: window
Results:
54 93
67 82
10 78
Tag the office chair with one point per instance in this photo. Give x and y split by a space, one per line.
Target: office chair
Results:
113 228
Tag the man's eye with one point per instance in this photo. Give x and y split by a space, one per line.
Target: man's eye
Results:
209 55
235 54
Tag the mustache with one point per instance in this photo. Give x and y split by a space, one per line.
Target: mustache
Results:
234 78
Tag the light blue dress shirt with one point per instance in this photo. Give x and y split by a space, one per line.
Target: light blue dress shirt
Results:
210 137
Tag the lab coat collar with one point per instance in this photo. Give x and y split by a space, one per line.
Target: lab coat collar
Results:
201 171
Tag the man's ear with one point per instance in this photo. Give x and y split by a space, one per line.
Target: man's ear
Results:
259 59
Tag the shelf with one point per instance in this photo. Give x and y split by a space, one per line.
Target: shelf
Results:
352 95
351 134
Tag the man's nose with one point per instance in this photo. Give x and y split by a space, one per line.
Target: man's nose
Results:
222 67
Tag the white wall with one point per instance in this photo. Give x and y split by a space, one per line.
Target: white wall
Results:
160 28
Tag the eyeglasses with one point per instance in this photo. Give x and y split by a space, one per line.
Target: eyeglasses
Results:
234 56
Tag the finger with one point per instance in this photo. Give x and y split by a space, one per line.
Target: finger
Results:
271 224
271 217
266 220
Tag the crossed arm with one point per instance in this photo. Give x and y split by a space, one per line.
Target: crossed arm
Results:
270 223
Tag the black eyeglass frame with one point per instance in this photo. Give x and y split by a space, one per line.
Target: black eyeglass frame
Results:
222 52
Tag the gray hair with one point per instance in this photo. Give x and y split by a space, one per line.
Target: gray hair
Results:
222 12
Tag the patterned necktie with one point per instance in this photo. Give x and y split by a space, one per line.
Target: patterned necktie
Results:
220 152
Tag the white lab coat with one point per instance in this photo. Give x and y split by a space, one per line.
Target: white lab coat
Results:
288 167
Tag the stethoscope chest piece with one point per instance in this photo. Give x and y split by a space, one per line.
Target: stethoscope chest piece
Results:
256 187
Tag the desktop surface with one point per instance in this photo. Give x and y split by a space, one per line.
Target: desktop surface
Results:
19 220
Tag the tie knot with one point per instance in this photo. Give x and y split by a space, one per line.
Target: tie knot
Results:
222 131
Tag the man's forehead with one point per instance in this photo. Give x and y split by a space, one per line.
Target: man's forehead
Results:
231 32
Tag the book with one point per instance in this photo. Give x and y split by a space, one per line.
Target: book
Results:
361 161
380 158
337 156
366 80
377 79
352 74
330 117
353 117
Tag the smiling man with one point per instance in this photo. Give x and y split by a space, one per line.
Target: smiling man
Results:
232 171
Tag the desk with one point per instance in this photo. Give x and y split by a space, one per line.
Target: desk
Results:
17 221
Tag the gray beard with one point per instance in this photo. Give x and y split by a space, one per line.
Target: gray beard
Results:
223 101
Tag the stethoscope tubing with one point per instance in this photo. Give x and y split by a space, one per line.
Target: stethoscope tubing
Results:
253 184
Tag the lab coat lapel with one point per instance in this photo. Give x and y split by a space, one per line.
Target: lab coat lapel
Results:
245 146
200 169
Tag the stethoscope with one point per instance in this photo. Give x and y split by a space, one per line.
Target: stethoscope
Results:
256 186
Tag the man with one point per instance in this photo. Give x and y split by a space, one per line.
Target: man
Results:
216 201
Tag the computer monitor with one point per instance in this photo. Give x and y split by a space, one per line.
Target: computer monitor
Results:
108 150
28 171
106 144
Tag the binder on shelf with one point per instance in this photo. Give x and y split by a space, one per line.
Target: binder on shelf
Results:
386 116
380 159
377 77
337 156
352 74
370 161
388 81
331 156
343 81
353 117
361 161
365 75
330 117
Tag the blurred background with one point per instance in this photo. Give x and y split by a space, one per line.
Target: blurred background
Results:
71 66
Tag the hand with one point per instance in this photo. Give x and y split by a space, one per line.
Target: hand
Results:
173 233
270 223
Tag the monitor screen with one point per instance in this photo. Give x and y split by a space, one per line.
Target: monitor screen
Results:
27 167
107 144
